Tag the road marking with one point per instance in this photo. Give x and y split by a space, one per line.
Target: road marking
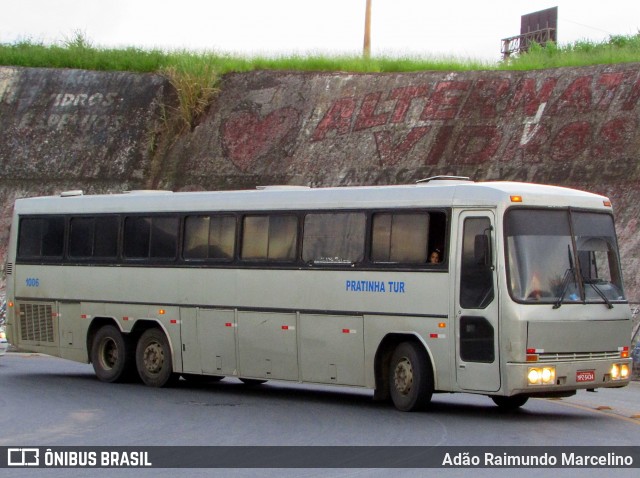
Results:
608 411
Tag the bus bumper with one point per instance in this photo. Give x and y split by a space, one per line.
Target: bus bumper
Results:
551 379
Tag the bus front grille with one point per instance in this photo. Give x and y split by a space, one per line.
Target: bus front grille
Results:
36 322
577 356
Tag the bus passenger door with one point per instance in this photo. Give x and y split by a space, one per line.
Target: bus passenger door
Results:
476 311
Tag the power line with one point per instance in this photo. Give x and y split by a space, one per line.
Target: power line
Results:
587 26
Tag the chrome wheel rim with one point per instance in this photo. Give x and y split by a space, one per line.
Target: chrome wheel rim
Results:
403 376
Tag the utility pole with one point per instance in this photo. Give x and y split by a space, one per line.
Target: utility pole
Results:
366 50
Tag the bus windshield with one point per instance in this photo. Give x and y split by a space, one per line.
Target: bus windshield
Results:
562 256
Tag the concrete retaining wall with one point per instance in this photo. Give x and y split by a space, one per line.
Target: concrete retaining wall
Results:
575 127
72 129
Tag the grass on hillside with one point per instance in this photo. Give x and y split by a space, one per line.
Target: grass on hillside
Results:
195 75
78 52
617 49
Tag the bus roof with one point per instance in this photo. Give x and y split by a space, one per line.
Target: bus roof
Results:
447 193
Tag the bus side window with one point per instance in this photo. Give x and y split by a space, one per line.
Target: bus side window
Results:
81 233
271 238
137 231
30 238
93 237
400 238
476 276
209 237
41 237
334 238
164 238
106 236
437 234
150 237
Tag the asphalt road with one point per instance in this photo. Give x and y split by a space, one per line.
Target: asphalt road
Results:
46 401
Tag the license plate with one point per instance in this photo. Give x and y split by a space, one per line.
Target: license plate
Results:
585 376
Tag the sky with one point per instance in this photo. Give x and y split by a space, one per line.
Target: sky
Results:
455 28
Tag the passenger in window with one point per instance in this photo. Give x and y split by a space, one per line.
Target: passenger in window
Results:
434 257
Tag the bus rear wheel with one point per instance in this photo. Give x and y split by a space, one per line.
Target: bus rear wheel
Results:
410 377
111 356
153 359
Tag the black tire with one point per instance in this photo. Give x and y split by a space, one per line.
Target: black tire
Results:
410 377
252 381
509 403
153 359
111 355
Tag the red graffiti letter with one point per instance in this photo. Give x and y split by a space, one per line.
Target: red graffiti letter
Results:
405 96
632 99
527 94
392 153
571 141
338 118
366 117
609 83
577 95
484 97
613 138
440 144
477 144
445 101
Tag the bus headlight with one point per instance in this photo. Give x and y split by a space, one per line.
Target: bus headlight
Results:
541 375
619 371
615 372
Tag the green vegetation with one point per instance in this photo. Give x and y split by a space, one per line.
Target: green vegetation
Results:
78 52
617 49
195 75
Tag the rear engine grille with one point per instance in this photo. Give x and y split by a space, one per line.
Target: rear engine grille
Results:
36 322
577 356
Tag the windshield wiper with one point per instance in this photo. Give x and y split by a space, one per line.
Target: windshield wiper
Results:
565 286
592 283
565 280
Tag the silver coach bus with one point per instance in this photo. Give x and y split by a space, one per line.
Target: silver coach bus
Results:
509 290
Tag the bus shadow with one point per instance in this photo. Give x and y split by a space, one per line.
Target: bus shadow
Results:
232 392
457 405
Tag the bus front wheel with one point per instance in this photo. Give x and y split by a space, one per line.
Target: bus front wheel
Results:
110 355
410 377
153 359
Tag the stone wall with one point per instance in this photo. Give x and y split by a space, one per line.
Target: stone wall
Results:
73 129
574 127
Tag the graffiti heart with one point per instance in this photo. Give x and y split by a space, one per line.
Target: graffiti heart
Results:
248 136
